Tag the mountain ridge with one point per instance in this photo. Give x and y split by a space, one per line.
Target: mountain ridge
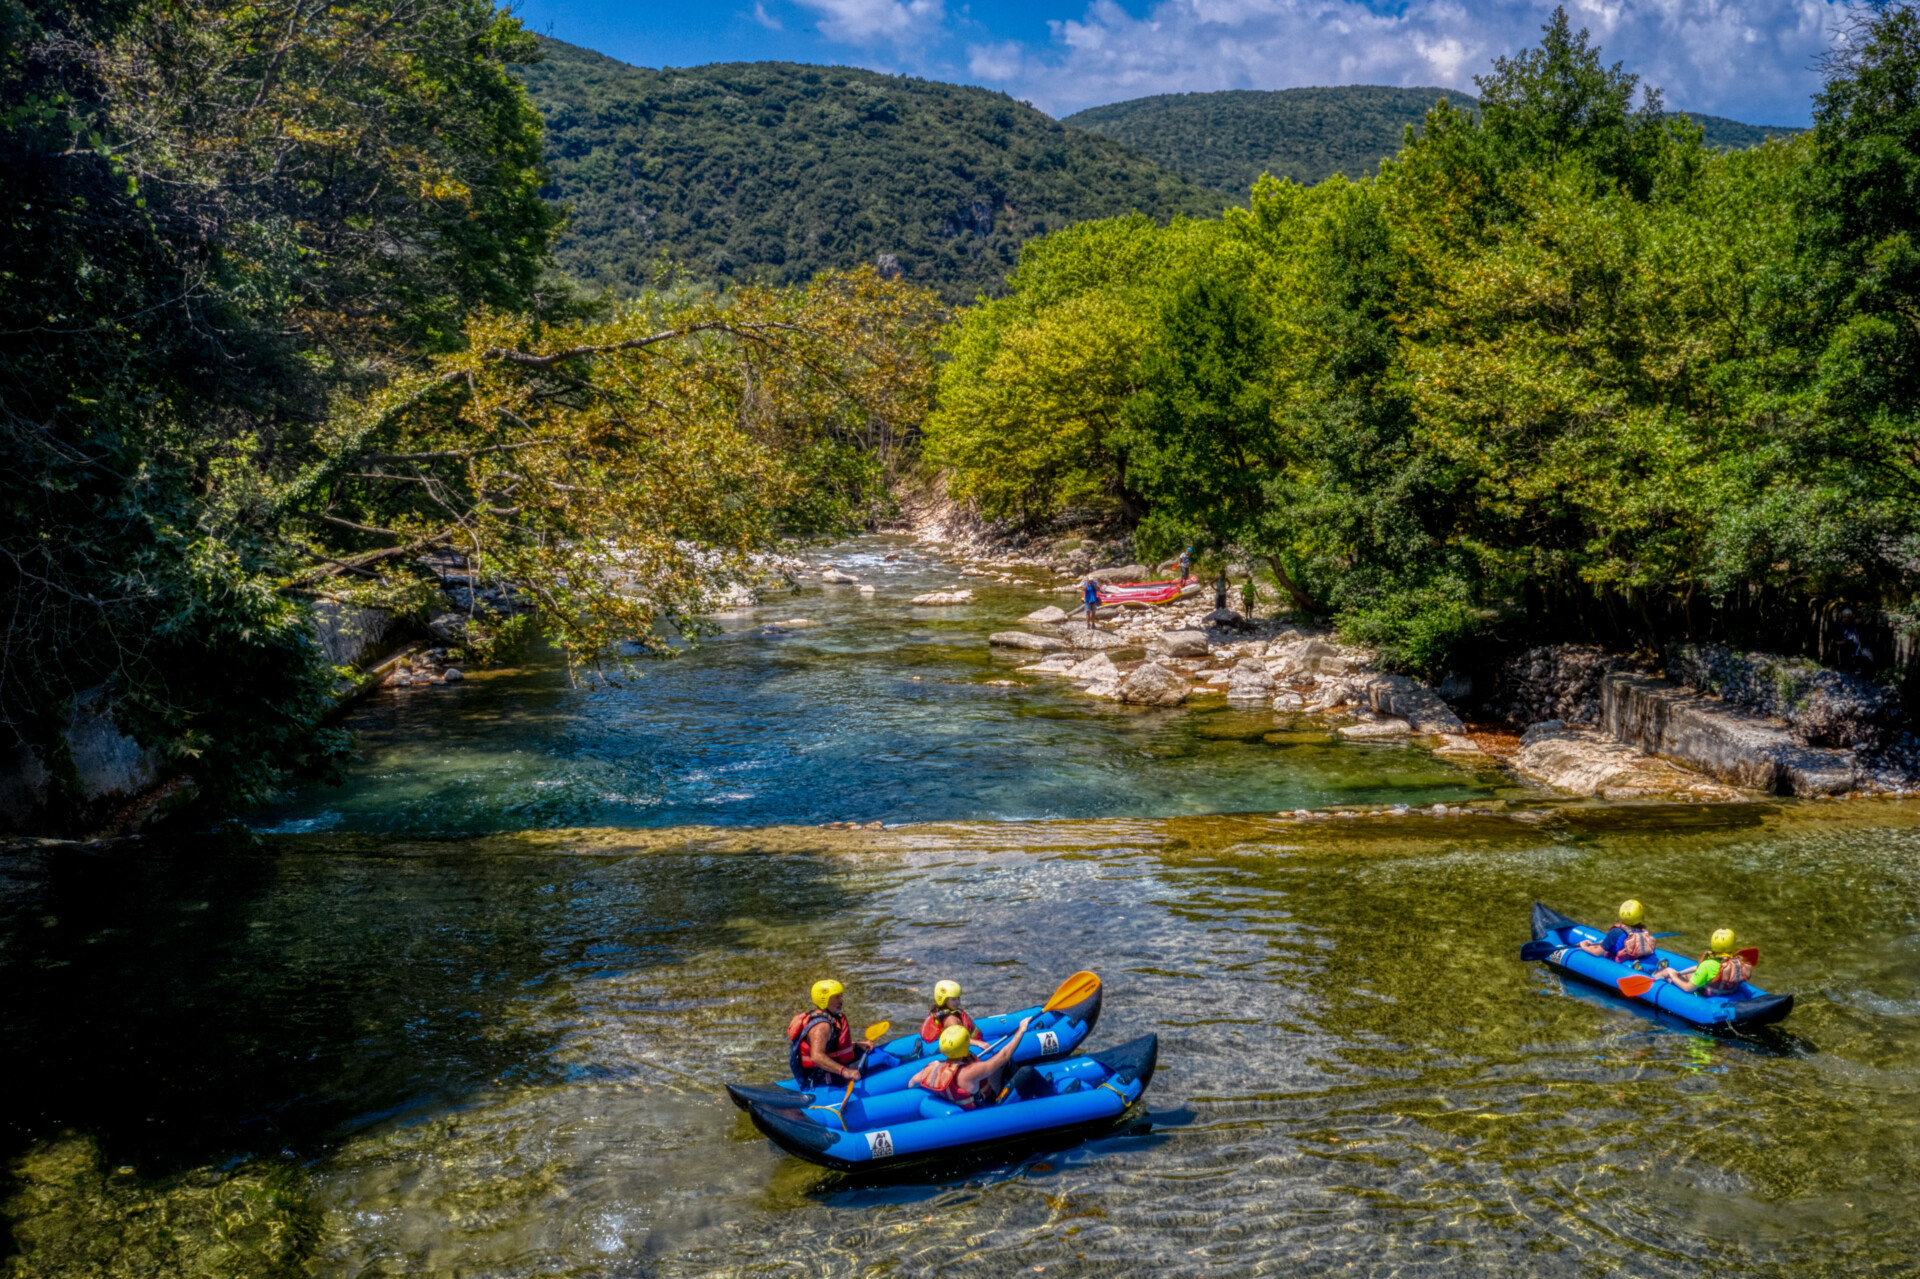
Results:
1226 138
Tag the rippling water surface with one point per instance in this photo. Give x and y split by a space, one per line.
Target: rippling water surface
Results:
878 711
381 1051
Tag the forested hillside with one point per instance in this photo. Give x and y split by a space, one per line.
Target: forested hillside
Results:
1227 139
774 171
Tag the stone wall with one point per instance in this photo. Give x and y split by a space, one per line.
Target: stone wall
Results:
1820 707
1703 732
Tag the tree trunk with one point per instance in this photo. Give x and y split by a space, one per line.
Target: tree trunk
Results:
1300 599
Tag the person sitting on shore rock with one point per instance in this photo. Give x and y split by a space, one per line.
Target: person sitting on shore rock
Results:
823 1044
1627 940
946 1013
1721 971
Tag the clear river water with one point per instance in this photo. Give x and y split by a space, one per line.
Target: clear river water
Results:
470 1013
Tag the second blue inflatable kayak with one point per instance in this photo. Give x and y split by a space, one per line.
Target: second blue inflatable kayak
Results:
1747 1009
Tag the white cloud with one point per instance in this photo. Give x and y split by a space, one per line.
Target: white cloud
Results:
1751 59
765 19
871 21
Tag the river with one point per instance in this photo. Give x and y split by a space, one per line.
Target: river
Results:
470 1013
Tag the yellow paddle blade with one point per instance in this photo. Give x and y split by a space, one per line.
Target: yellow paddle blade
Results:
878 1030
1072 991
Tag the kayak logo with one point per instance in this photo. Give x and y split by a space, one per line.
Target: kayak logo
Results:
1049 1042
880 1144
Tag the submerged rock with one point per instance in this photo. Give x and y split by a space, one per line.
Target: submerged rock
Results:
944 597
1150 684
834 577
1377 728
1021 639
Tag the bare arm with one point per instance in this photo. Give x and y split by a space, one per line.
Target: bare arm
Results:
817 1039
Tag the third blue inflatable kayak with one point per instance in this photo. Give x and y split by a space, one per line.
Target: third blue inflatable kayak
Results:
1748 1008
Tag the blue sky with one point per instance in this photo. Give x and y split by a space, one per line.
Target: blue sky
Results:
1752 60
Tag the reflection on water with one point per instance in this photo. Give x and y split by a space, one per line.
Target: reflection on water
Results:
881 711
504 1055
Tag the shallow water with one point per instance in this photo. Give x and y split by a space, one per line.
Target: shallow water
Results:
378 1048
881 711
504 1056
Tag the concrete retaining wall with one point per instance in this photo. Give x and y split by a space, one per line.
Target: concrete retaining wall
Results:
1722 741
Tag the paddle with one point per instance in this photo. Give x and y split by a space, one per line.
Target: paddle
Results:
1751 954
1073 990
1537 950
1635 986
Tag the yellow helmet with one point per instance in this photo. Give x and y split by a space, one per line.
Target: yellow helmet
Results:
1632 912
943 991
824 990
956 1042
1722 942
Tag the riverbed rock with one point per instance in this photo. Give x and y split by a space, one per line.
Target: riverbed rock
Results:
1080 635
453 675
1705 733
1410 700
1153 685
1096 668
1367 728
1224 617
944 597
834 577
1047 616
1560 681
1180 643
1585 762
1021 639
1125 573
867 590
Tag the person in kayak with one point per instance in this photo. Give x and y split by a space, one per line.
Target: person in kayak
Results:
1627 940
946 1012
824 1048
1721 971
963 1079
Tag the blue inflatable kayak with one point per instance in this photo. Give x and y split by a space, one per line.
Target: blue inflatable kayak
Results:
893 1064
1057 1100
1748 1008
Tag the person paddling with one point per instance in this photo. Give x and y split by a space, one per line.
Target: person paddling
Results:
947 1013
1721 971
824 1048
963 1079
1627 940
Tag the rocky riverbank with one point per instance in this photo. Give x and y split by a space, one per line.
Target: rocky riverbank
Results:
1709 724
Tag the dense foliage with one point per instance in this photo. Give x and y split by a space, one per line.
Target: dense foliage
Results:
1561 363
1225 140
273 283
773 171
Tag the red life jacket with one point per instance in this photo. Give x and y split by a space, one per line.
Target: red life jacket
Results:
839 1037
1733 971
937 1021
942 1079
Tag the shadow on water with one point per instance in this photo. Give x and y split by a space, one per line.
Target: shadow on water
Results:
188 1005
1767 1041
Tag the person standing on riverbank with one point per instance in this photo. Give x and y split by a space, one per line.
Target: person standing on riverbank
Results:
1249 598
1090 601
